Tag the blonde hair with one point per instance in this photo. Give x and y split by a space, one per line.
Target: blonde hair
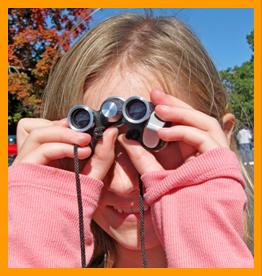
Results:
163 46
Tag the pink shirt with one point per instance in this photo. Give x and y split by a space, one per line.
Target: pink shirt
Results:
197 212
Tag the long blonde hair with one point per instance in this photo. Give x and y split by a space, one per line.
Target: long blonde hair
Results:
162 45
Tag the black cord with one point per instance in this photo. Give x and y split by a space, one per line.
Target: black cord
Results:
81 217
98 134
142 224
80 208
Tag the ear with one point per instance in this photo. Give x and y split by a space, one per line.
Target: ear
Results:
228 125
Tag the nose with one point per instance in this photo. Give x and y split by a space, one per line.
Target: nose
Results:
126 188
124 178
125 191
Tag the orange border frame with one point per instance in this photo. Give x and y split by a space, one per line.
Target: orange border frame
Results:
4 5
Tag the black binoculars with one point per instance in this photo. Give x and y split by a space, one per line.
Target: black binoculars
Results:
136 113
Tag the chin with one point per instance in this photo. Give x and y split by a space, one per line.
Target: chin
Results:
124 229
128 239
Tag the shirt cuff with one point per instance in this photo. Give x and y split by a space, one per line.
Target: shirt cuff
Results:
213 164
53 179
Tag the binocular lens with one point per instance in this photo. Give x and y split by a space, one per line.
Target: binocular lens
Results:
136 109
80 118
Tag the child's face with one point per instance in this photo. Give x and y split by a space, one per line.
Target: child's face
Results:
121 183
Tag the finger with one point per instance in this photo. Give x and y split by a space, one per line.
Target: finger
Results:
53 135
48 152
194 118
63 122
197 138
27 125
100 163
190 117
159 97
143 160
59 134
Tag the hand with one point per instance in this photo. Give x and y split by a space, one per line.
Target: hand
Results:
193 131
41 141
44 142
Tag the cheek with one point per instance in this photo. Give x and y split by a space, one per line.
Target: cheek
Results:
100 214
170 156
100 219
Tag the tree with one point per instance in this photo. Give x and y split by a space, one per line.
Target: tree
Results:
36 38
250 41
239 82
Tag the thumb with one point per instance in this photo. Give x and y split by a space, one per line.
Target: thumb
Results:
104 154
142 159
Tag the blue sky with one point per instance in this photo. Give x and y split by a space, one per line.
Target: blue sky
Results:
222 31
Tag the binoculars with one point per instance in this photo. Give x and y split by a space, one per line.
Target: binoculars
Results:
136 113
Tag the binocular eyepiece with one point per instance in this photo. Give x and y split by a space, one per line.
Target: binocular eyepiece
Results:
136 113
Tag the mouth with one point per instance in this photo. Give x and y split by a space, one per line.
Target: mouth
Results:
122 214
128 210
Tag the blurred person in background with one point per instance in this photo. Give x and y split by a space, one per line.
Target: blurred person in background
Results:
244 138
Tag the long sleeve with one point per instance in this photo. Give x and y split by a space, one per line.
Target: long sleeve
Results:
198 211
43 216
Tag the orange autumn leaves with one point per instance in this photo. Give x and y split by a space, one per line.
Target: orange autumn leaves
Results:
36 38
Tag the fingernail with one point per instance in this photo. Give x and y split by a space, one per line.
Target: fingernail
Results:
82 134
115 134
162 130
121 137
159 91
84 138
63 121
163 108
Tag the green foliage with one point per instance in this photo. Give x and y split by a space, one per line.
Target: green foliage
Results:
239 82
250 40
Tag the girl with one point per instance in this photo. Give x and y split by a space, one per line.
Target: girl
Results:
193 188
